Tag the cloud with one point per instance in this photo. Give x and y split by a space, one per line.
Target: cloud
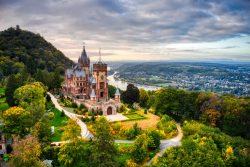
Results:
127 25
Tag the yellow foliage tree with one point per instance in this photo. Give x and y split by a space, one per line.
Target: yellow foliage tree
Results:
16 121
26 152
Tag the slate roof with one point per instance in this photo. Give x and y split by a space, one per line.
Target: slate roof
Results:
69 72
84 56
93 81
93 93
80 73
117 91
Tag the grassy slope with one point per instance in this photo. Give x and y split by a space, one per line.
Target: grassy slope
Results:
58 122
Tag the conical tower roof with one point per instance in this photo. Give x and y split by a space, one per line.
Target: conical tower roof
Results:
117 91
84 56
93 93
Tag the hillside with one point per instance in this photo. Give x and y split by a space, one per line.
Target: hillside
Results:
17 46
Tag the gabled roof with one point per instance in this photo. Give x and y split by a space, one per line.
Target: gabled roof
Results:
69 72
80 73
93 93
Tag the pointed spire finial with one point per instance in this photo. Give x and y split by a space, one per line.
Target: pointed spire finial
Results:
83 45
100 58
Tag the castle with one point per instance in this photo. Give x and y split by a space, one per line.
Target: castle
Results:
88 84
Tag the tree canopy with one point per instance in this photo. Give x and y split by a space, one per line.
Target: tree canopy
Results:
131 95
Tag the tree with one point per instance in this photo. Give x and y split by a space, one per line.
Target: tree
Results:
112 90
166 101
39 76
57 82
42 130
131 95
31 97
103 150
155 137
72 131
144 97
12 85
17 121
73 153
31 67
139 150
24 76
26 152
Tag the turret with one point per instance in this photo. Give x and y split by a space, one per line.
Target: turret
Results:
93 97
117 95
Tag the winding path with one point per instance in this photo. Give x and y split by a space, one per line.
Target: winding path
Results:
87 134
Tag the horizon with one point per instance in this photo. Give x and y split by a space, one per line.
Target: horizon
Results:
189 31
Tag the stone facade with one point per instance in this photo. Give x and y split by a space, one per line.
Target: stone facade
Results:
88 84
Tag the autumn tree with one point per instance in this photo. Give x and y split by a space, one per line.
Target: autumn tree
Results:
26 152
103 150
144 97
31 97
139 150
42 130
131 95
17 121
12 85
74 152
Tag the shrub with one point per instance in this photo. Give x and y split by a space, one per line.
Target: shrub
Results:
136 129
136 106
145 111
81 106
155 137
50 115
74 105
130 133
62 113
131 111
92 117
122 109
101 113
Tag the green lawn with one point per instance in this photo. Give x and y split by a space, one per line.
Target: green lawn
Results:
58 122
70 109
133 116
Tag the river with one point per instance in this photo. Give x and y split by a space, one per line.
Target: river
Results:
123 85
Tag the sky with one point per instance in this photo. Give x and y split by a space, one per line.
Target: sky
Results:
145 30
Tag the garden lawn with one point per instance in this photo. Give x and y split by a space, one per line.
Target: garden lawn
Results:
133 116
58 122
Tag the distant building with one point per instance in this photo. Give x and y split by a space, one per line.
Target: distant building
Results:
88 84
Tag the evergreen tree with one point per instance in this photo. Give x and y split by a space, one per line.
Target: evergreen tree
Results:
12 85
39 76
31 67
24 76
57 82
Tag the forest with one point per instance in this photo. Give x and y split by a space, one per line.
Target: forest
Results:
19 48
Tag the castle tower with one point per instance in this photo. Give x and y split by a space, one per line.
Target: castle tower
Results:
93 97
117 95
100 74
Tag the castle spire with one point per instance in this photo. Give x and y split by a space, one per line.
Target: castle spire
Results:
100 58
